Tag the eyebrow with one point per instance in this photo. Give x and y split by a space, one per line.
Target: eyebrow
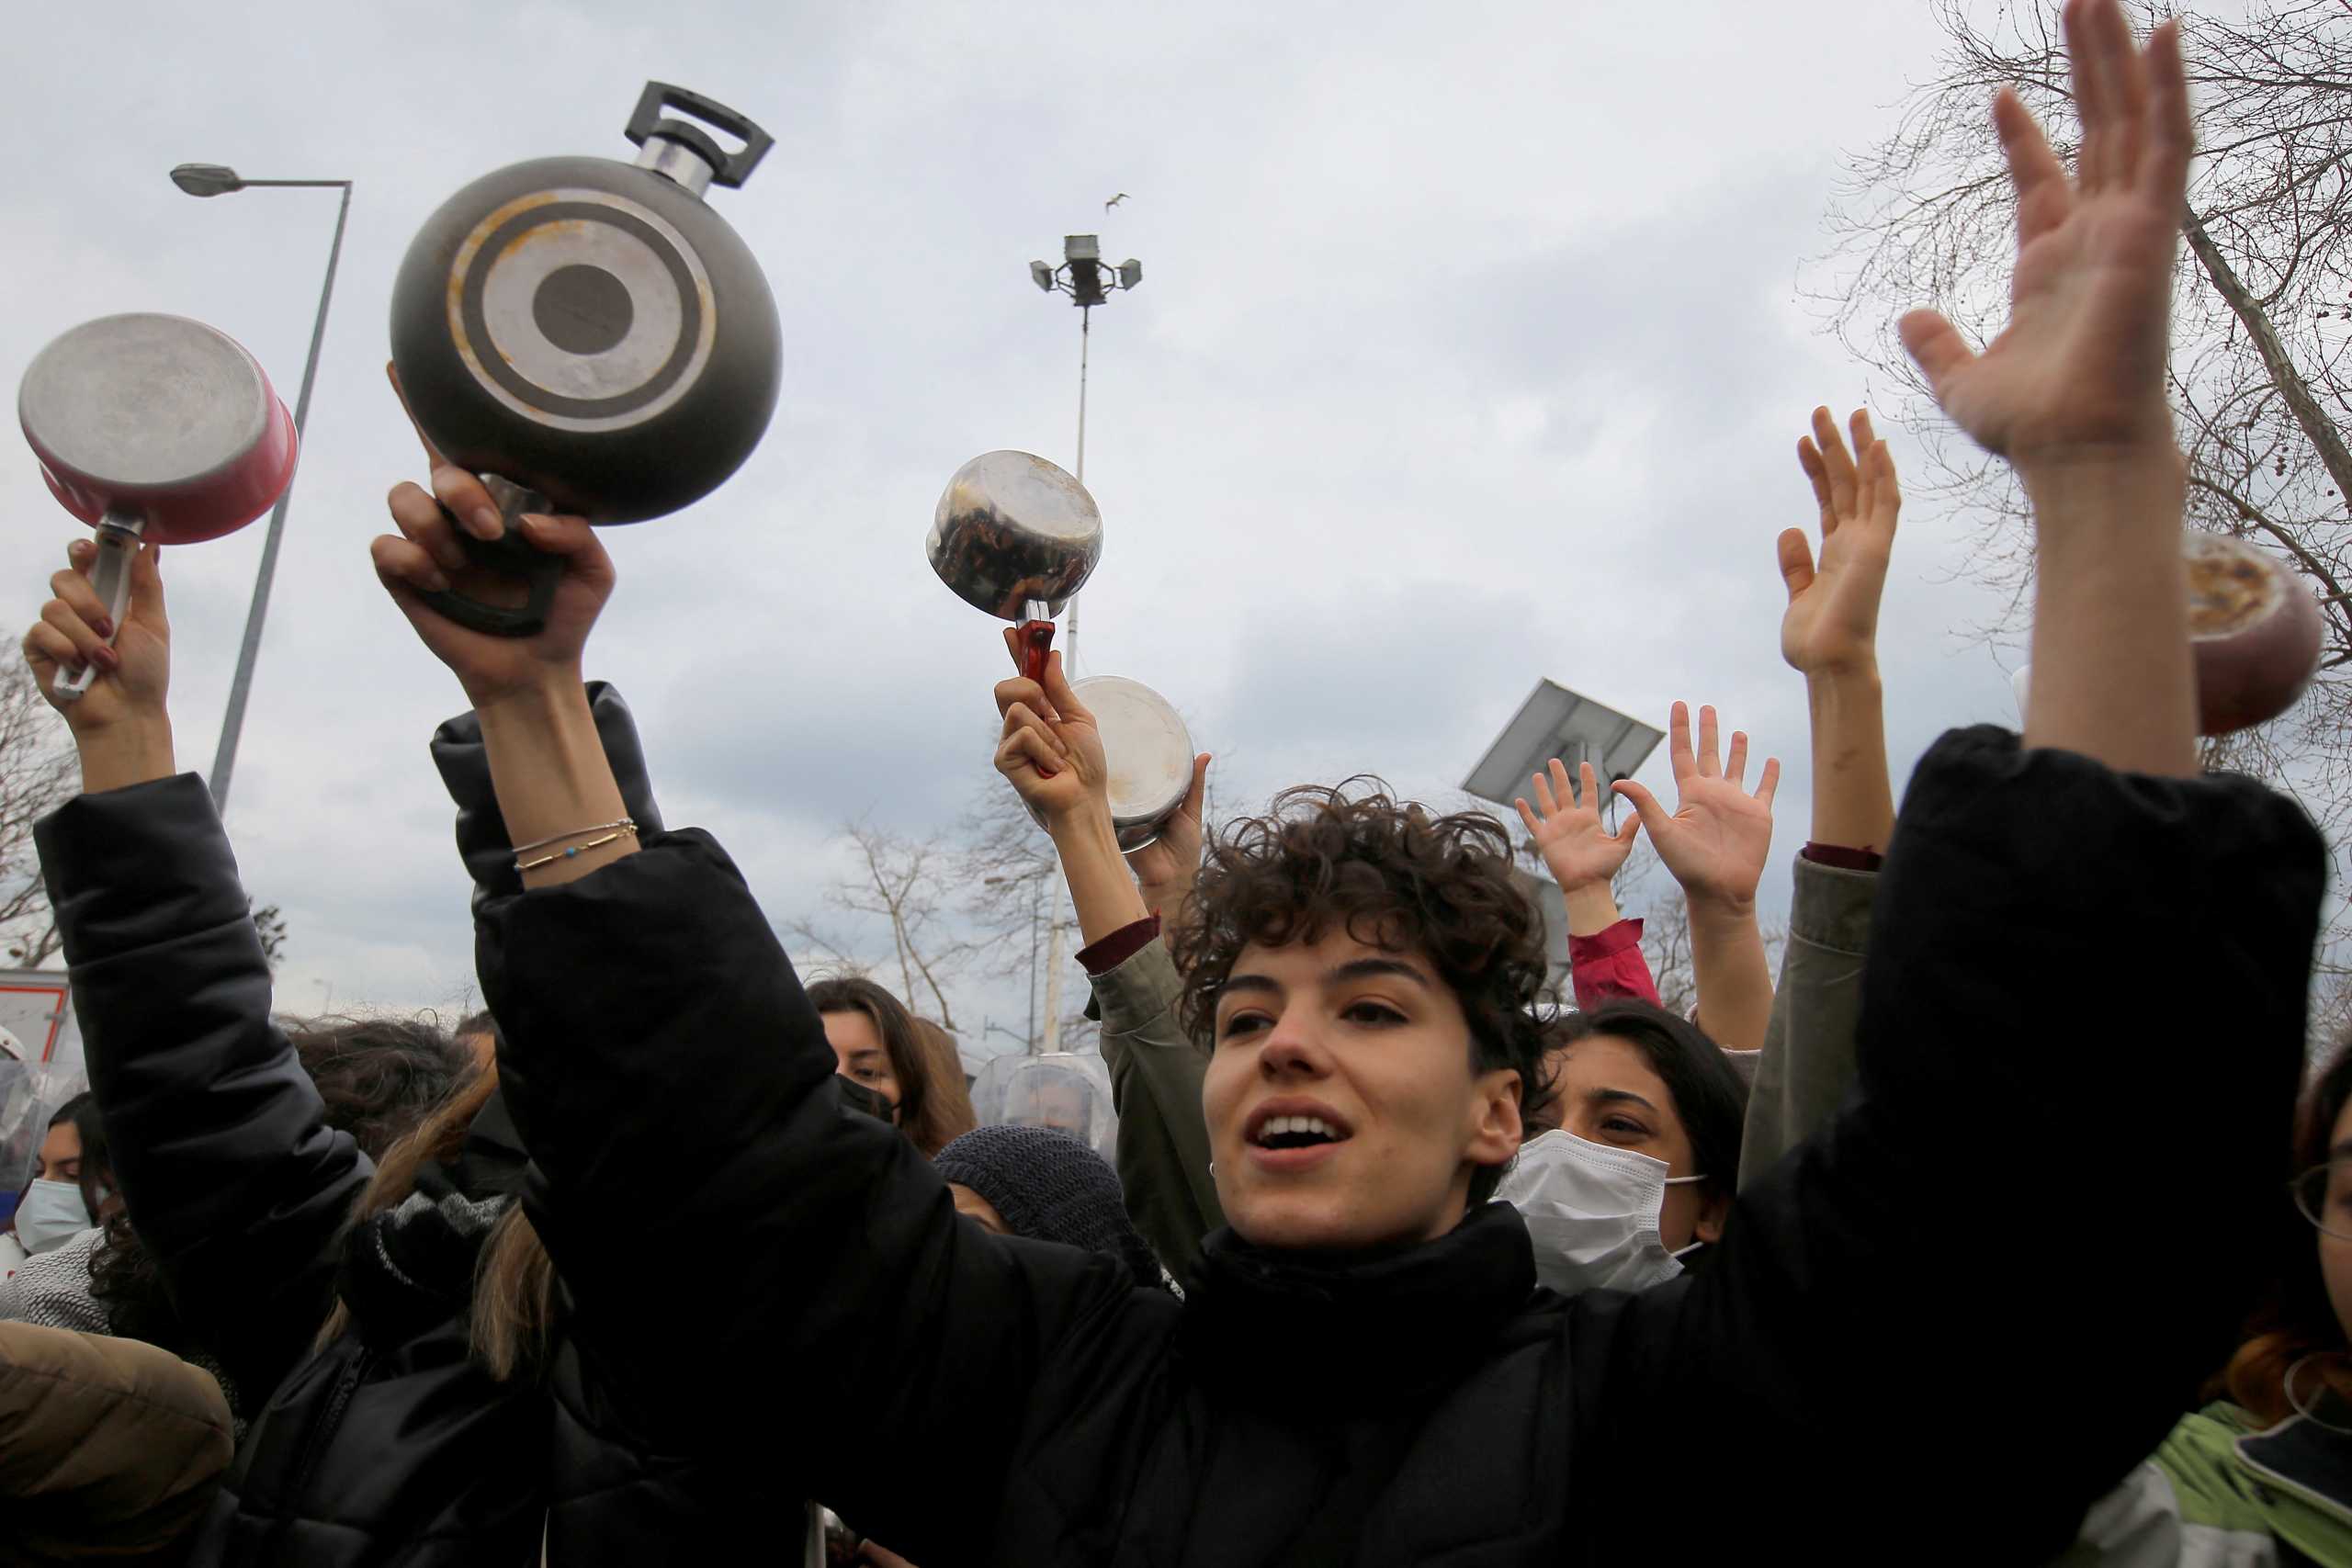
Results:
1616 1096
1354 969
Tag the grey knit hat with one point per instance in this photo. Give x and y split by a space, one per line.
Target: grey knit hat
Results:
1050 1187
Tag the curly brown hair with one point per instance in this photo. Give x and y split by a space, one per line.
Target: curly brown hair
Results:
1393 876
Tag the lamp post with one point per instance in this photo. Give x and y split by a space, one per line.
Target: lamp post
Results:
215 179
1083 277
1037 881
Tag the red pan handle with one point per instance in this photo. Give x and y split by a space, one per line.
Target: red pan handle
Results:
1036 638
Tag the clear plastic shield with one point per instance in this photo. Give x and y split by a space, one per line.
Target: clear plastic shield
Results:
1068 1091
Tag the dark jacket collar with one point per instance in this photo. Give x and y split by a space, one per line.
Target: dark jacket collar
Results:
1406 1322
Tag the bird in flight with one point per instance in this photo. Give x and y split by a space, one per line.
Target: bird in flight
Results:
1114 202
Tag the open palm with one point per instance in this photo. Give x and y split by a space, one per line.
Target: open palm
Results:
2079 366
1577 850
1831 624
1718 837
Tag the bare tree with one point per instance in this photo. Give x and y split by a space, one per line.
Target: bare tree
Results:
37 774
2259 383
1011 889
912 885
269 924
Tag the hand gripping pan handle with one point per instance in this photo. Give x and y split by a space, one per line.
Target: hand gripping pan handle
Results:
118 547
508 556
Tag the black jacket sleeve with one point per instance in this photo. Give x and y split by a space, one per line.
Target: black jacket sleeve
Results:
1992 1285
231 1175
674 1085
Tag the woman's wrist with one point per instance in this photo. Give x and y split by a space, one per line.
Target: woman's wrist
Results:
125 752
552 779
1104 894
1719 911
1853 796
1591 908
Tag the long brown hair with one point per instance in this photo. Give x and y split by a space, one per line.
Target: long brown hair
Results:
2297 1320
926 1109
950 1096
513 1304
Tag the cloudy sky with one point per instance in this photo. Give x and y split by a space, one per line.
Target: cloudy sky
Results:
1470 352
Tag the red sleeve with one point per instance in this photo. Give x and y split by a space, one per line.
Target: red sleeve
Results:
1611 965
1101 957
1845 857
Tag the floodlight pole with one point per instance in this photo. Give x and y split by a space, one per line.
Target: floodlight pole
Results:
1085 334
1081 277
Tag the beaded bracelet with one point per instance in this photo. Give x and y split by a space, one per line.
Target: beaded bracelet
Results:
626 825
629 831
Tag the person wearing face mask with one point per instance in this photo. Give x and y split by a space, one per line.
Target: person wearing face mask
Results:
72 1189
1618 1181
877 1048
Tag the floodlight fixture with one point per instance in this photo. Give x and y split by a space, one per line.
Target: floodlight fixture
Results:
1557 722
1083 275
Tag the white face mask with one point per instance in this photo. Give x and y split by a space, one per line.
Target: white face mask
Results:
1592 1213
51 1213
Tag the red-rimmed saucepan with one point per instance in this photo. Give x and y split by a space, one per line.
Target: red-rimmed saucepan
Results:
152 427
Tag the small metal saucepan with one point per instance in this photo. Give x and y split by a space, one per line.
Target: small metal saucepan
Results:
1017 537
1149 752
152 427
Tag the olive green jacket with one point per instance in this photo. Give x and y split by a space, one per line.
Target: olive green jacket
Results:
1156 1072
1806 1067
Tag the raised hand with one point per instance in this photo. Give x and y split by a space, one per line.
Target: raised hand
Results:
120 725
1719 836
135 673
2079 369
1165 868
1578 851
1050 750
427 557
1831 625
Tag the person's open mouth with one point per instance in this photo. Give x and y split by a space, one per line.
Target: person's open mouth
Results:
1294 1135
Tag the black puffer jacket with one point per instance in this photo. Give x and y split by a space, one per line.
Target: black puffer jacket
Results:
1935 1333
390 1445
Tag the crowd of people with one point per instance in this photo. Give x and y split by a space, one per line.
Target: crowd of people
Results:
1966 1237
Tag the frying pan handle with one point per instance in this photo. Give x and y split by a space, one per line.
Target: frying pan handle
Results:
1036 638
118 547
509 555
727 171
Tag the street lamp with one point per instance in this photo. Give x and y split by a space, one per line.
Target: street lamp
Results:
1037 881
218 179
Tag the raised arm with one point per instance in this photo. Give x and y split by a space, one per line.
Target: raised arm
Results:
1829 635
229 1172
1715 843
646 1011
2023 895
1604 951
1156 1069
2073 394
